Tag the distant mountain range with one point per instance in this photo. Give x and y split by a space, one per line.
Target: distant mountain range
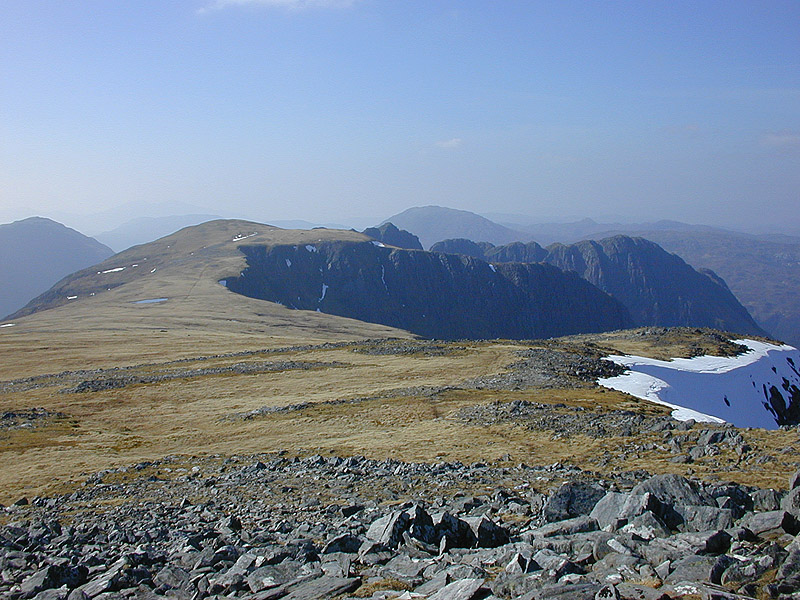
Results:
762 271
656 288
147 229
35 253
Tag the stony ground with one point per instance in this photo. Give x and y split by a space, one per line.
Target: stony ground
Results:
581 492
268 527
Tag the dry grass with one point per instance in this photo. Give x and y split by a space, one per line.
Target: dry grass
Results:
190 416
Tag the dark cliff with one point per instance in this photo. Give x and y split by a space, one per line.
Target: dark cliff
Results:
517 252
658 288
433 295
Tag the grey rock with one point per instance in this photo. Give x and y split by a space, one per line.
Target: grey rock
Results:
322 587
270 576
791 502
404 567
53 594
567 527
389 529
646 526
488 534
672 489
635 591
343 543
572 499
794 480
52 576
434 584
765 500
464 589
455 532
564 591
557 564
172 577
705 518
760 523
788 575
614 510
421 526
699 568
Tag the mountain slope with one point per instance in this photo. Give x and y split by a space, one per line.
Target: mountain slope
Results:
35 253
657 288
433 223
163 300
430 294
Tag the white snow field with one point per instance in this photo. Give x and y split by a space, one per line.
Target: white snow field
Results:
749 390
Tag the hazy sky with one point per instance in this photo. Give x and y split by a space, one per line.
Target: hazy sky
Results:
352 110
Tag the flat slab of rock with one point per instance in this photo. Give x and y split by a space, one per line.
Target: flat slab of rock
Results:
463 589
322 587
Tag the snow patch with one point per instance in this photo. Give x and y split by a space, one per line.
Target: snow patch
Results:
151 301
7 325
71 297
311 248
288 263
242 236
383 278
111 270
153 271
223 282
493 268
378 244
714 388
324 291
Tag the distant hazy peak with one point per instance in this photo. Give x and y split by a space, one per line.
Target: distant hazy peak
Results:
434 223
37 252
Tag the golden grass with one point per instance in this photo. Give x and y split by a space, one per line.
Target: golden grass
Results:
191 416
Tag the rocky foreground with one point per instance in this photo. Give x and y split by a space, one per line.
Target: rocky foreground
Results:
270 527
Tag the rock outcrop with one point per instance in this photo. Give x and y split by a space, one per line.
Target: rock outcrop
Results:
391 235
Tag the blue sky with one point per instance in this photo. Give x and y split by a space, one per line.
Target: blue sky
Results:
350 111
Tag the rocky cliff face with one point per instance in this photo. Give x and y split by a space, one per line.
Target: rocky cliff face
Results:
433 295
658 288
389 234
517 252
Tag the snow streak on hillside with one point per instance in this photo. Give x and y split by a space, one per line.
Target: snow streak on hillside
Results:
760 388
